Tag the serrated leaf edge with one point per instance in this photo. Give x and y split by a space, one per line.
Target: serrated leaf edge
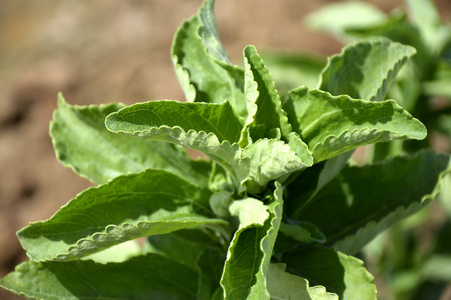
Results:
414 207
397 64
113 235
332 139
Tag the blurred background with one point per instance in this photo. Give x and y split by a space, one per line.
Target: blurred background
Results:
104 51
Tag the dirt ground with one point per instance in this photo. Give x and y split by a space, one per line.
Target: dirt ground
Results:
98 52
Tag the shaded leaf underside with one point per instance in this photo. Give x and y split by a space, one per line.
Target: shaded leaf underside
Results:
358 209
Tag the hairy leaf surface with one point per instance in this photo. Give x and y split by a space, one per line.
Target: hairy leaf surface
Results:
82 143
333 125
218 119
158 278
128 207
358 209
365 70
250 250
265 113
203 66
254 165
339 273
272 159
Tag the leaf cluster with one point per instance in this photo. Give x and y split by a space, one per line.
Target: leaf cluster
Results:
275 211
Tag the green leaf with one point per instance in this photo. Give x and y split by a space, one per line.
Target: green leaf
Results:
311 181
304 232
144 277
191 133
226 154
365 70
285 286
250 250
263 101
139 119
210 128
333 125
339 273
82 143
270 160
118 253
362 202
398 28
210 264
335 18
128 207
203 66
208 31
169 245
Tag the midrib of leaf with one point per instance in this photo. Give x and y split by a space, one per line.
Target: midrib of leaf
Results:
217 130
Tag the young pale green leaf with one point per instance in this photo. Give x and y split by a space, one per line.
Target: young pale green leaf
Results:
128 207
337 17
354 208
203 66
272 159
365 70
339 273
333 125
249 255
144 277
263 102
286 286
82 143
208 31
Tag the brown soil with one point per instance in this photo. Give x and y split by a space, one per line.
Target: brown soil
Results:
98 52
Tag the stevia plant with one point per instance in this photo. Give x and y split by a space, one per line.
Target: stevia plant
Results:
274 212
